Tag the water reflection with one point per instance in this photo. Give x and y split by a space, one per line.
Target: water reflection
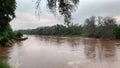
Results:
100 50
89 48
59 40
63 52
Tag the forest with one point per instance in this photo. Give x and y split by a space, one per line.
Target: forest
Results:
95 26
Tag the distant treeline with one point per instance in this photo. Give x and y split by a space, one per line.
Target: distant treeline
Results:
98 27
55 30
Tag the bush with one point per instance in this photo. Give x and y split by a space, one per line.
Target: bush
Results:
74 29
3 64
117 32
6 35
19 34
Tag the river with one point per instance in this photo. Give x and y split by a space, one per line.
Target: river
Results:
63 52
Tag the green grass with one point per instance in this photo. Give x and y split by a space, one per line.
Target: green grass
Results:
3 64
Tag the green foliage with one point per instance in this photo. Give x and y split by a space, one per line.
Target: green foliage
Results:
55 30
100 27
7 32
117 32
3 64
7 8
89 26
18 35
6 35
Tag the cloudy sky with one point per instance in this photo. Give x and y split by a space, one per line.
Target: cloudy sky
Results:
26 18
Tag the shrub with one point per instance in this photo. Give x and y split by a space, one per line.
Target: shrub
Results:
3 64
19 34
117 32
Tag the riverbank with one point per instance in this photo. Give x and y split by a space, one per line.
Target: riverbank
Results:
4 64
8 41
7 44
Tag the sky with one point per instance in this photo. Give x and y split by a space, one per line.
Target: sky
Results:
27 19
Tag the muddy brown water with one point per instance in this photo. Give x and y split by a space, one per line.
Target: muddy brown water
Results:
63 52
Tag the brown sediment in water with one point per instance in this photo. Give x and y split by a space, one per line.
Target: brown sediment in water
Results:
63 52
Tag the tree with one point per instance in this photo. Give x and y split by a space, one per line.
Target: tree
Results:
7 13
19 34
64 7
100 27
89 26
8 7
74 29
117 32
106 27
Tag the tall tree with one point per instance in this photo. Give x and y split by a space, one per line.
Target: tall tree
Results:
89 26
7 8
7 13
106 26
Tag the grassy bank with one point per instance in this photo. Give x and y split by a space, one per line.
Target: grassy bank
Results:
8 38
3 64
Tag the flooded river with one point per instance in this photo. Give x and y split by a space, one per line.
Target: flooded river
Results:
63 52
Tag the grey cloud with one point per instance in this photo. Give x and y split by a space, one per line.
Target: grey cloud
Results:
97 9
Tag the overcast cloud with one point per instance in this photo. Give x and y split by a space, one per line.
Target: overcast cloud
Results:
26 19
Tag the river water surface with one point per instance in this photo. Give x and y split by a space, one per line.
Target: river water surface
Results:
63 52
